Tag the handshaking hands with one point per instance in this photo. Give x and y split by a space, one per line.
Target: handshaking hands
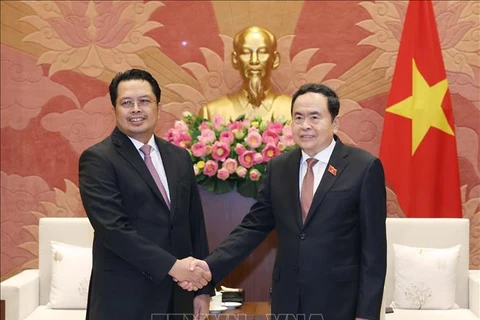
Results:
191 274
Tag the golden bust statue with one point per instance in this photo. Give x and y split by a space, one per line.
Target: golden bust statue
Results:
254 56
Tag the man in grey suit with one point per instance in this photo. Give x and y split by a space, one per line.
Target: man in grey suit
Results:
141 197
327 201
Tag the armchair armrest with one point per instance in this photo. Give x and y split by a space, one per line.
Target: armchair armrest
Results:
21 294
384 304
473 292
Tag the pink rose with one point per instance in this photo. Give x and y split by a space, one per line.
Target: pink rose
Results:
240 148
223 174
287 130
217 122
220 151
208 149
237 125
210 168
270 151
203 126
199 149
258 158
171 134
180 126
227 137
287 136
270 136
182 139
254 140
246 123
246 159
207 136
255 175
287 140
241 172
276 127
231 165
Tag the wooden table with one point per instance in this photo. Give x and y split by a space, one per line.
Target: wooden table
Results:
2 309
248 311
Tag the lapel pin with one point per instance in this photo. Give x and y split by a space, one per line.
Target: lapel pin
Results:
332 170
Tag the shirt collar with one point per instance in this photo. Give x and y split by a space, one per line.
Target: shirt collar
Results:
322 156
267 102
139 144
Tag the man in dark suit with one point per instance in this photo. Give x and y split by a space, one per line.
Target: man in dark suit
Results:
140 195
327 201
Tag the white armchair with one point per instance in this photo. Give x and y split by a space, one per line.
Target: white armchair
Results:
27 293
435 233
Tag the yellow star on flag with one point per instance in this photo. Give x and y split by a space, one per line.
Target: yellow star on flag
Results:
423 107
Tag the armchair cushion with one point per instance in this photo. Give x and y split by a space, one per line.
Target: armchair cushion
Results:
71 268
425 277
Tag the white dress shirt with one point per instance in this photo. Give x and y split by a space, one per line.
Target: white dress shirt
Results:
318 169
156 159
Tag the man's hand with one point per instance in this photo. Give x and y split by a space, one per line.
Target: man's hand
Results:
201 306
197 277
195 265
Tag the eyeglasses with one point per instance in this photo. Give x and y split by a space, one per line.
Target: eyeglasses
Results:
314 118
144 102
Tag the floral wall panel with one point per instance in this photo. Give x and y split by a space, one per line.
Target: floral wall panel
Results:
28 94
91 37
331 27
58 57
28 89
180 36
21 197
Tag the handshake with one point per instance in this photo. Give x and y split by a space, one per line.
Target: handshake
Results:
191 274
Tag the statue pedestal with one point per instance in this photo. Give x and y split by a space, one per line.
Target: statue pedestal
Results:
222 214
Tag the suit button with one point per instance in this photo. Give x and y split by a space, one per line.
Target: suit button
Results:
295 268
171 227
302 236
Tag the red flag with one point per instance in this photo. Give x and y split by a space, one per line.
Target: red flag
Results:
418 147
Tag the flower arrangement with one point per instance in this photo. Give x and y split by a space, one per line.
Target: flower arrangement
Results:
232 154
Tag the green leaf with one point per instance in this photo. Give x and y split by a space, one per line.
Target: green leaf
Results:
224 186
248 188
217 186
240 117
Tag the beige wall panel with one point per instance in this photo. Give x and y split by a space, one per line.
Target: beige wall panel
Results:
14 30
361 81
280 17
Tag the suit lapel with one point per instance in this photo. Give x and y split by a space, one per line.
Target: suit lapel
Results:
128 151
337 161
292 174
169 166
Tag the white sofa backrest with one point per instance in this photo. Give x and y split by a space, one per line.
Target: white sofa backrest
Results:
430 233
73 231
